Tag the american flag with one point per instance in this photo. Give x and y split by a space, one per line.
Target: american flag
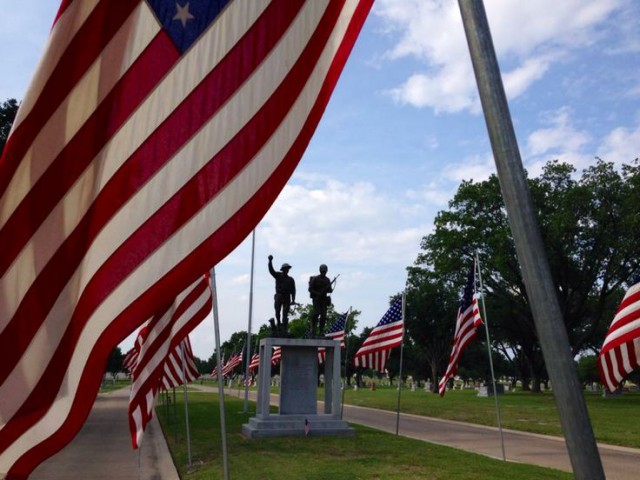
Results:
375 350
254 363
180 366
467 320
130 360
232 364
620 353
276 356
157 342
153 137
335 332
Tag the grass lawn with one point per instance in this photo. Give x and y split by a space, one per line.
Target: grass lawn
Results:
370 454
614 420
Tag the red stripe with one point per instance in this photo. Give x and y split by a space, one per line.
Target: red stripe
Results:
99 28
63 6
78 154
216 247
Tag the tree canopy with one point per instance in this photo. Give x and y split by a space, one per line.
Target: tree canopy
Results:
589 226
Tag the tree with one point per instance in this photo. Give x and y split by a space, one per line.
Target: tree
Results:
589 227
114 362
431 305
8 110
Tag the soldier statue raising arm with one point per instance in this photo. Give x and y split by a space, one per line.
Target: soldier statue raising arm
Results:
285 295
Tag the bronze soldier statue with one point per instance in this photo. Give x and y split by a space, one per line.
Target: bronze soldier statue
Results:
319 289
285 295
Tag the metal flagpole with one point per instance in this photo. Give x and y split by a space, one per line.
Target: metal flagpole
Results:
186 405
400 374
567 390
346 354
246 370
493 375
223 419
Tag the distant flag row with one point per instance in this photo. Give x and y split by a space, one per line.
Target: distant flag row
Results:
164 355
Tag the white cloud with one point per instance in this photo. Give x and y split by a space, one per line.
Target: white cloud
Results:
621 145
560 137
530 35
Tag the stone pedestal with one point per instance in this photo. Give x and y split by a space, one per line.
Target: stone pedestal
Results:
298 410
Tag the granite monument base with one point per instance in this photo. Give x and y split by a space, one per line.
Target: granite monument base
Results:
298 407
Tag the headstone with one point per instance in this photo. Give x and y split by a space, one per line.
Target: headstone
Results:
487 390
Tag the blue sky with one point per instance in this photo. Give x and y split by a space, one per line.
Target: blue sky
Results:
403 128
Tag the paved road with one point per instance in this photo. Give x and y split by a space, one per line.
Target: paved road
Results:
102 449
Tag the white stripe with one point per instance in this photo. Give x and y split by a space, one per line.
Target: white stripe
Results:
64 30
137 421
156 108
117 57
191 235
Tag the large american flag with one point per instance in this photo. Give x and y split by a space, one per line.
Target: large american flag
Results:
467 320
180 366
153 137
387 335
620 353
335 332
158 343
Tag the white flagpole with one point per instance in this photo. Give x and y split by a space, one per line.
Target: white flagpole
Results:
248 360
186 405
346 354
493 376
400 374
223 419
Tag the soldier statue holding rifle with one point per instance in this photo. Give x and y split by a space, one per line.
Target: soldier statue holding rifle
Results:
319 289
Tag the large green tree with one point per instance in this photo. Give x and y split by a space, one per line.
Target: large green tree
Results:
8 110
589 225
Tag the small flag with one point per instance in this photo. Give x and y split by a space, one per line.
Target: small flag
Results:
386 335
277 355
620 353
307 427
335 332
467 320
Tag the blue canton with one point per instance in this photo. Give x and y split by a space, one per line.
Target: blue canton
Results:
469 288
394 314
338 325
185 21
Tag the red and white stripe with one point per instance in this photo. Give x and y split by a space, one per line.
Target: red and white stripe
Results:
466 324
130 170
180 366
164 333
130 360
620 353
232 364
254 364
276 356
376 349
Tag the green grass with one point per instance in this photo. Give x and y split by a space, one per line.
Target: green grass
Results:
614 420
370 454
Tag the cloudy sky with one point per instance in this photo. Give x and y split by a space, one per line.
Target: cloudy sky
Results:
403 128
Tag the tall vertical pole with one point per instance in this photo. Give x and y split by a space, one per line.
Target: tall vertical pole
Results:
223 418
186 405
248 362
400 373
532 257
346 356
493 375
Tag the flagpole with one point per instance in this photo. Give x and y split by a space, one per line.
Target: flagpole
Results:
223 419
542 294
493 375
246 370
346 354
186 406
400 374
